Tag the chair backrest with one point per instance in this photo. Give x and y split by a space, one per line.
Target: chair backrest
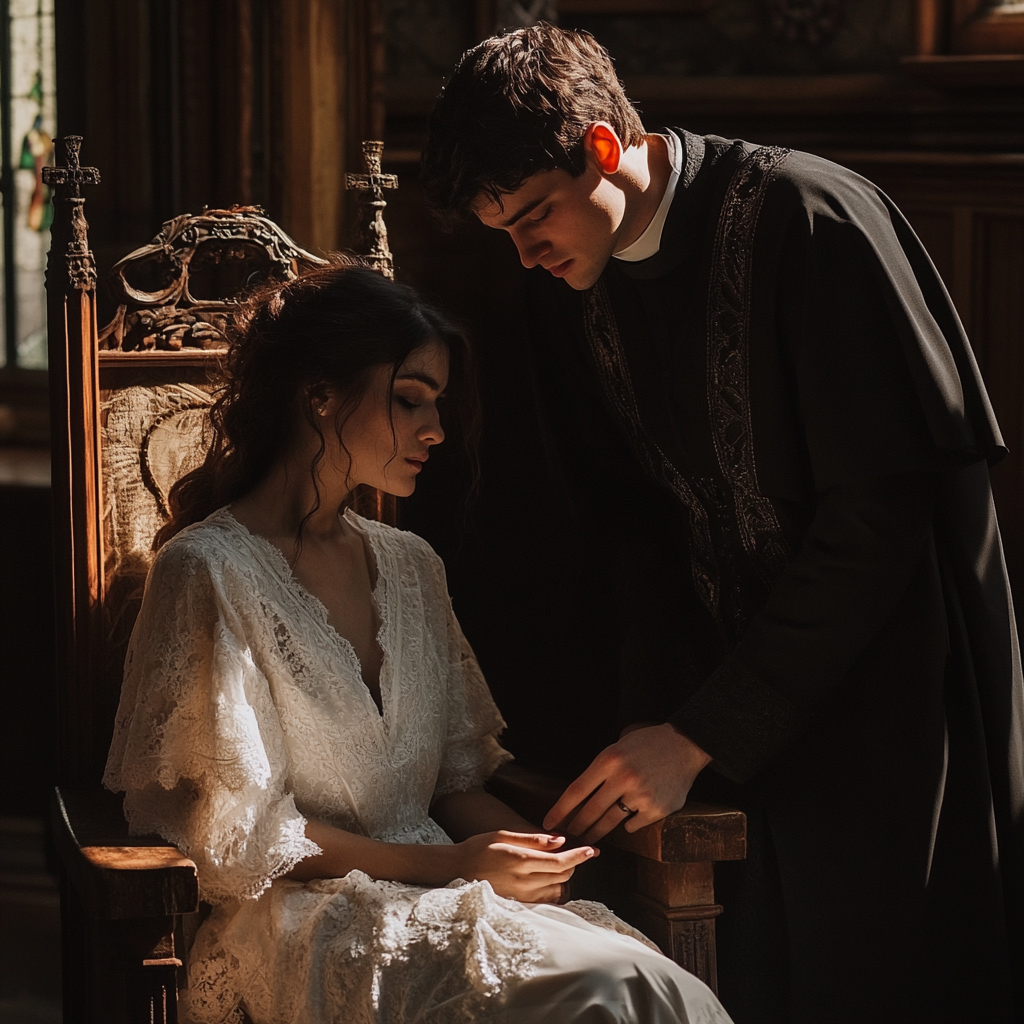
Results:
130 408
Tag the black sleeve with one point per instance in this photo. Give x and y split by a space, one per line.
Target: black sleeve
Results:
854 566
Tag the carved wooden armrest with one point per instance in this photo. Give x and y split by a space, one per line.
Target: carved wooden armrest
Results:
675 883
132 889
119 876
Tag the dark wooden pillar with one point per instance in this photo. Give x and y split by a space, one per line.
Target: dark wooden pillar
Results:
74 389
675 906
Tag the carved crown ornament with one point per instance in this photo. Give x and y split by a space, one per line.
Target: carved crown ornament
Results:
175 294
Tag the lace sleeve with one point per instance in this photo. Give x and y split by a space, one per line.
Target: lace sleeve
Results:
472 752
198 749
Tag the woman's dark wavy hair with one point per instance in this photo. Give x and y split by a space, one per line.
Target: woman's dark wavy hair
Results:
330 328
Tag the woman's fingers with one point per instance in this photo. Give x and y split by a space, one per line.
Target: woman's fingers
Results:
530 861
534 840
524 866
573 858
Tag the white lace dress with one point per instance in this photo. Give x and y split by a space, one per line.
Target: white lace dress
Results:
243 712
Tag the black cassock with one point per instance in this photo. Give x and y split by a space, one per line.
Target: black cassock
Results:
742 486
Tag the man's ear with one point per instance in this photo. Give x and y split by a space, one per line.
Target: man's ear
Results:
603 144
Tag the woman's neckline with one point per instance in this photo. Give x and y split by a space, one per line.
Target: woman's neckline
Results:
317 607
349 516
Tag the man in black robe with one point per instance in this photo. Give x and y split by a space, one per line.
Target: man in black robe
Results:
754 397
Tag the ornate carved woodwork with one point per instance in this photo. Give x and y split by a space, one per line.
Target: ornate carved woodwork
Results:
158 359
96 941
371 185
79 260
178 292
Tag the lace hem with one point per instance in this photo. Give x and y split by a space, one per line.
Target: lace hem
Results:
242 867
385 951
293 849
598 914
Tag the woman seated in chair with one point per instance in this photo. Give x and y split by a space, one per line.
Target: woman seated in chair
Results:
303 717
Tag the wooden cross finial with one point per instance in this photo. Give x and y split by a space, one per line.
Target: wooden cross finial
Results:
69 238
374 183
73 174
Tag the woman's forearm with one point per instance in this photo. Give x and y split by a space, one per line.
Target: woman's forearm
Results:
461 815
469 813
397 862
532 867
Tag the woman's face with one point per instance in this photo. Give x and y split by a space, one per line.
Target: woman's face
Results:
389 434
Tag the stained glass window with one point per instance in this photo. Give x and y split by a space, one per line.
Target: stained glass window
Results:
28 101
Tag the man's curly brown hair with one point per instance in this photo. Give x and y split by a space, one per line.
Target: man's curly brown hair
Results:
517 104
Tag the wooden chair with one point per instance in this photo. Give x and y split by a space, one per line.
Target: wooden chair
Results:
129 417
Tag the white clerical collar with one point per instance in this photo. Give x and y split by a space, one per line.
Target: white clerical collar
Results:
650 241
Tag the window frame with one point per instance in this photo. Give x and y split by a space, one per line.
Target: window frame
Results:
980 27
13 375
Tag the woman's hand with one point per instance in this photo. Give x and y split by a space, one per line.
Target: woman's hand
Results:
529 867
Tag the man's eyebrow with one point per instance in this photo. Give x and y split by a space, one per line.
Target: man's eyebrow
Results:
522 212
423 378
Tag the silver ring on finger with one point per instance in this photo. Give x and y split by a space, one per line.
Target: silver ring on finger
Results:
622 807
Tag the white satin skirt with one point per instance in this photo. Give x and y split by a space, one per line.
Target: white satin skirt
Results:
590 975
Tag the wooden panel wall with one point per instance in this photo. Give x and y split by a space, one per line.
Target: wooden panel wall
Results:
190 103
325 98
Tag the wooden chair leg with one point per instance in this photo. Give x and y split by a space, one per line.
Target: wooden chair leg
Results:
675 906
148 946
78 974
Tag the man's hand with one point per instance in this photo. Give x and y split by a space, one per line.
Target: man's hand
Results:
645 776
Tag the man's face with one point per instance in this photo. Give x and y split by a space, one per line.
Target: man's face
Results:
567 225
